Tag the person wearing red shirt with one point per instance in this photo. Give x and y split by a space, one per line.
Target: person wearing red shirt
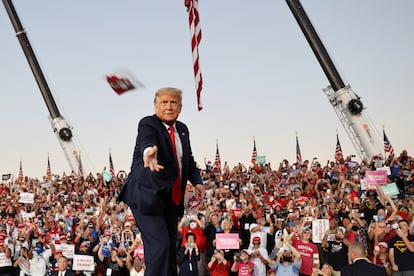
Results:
218 265
306 248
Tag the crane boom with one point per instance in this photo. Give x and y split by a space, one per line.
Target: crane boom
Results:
60 126
347 105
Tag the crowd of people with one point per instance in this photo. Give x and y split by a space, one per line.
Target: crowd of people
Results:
254 220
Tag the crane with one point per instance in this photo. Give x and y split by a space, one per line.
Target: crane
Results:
347 104
60 126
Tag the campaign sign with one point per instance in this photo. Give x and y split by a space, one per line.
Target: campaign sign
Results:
390 189
68 250
376 177
83 262
26 198
319 227
227 241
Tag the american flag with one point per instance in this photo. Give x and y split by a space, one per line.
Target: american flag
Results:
254 154
48 170
111 165
120 84
21 176
298 154
338 150
195 31
80 169
387 145
217 161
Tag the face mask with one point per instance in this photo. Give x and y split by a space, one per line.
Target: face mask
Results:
193 225
38 249
138 264
287 258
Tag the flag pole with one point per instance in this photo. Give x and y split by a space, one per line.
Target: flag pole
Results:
383 148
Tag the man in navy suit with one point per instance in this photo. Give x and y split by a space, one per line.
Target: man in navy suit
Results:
63 268
162 164
360 264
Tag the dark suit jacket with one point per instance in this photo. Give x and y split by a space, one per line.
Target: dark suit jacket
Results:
142 187
67 273
362 267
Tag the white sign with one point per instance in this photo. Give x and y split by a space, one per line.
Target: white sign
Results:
26 198
319 227
68 250
46 185
83 263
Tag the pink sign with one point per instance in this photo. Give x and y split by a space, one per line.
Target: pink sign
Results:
376 177
227 241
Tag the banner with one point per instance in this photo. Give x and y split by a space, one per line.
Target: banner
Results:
227 241
6 176
376 177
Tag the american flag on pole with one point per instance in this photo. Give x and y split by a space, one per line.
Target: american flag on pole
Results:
217 161
195 31
80 169
338 150
111 165
387 145
21 176
298 154
254 154
48 170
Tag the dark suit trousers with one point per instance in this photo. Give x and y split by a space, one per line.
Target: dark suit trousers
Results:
159 235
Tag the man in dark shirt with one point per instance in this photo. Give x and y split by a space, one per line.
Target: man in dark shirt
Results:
337 249
245 219
402 250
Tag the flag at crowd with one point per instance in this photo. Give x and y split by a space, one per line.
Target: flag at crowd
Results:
21 176
111 165
298 154
254 154
387 145
80 169
5 177
195 32
217 161
48 170
338 150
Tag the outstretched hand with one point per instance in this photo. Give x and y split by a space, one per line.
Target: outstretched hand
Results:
150 159
200 191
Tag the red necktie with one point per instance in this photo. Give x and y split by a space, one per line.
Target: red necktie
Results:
176 187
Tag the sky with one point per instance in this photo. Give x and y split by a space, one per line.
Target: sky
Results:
261 78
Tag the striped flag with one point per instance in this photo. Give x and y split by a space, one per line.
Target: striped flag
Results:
195 31
338 150
80 169
298 154
387 145
111 165
48 170
217 161
21 176
254 154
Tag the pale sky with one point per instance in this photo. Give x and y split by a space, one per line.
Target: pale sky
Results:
261 78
